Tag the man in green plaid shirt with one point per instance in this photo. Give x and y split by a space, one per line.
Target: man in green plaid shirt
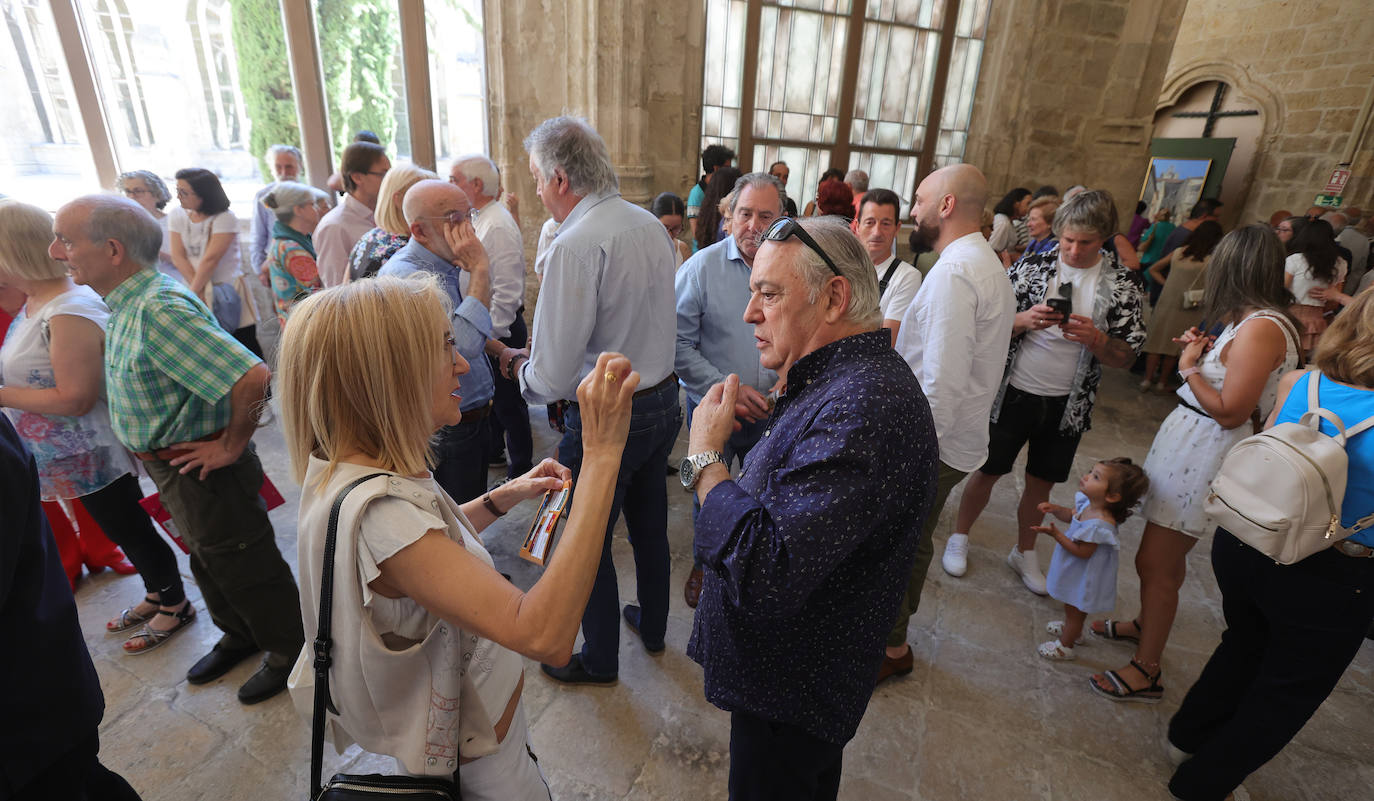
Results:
184 396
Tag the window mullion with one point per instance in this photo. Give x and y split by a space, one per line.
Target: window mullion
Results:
853 51
71 33
949 24
749 85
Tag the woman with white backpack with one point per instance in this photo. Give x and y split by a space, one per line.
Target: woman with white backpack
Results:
1225 380
1292 629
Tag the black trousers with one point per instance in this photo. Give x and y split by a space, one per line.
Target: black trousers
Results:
1291 631
772 761
510 415
77 776
115 507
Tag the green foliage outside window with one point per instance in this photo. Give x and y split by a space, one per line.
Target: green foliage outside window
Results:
357 48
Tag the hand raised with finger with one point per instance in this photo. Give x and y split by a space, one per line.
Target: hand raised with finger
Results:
604 398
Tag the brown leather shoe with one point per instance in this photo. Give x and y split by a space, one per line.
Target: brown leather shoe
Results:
691 591
900 666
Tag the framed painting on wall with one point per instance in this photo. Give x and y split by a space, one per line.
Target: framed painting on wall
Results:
1174 185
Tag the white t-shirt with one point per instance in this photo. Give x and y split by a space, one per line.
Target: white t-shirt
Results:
165 265
1047 362
1003 234
388 525
1296 266
195 237
900 290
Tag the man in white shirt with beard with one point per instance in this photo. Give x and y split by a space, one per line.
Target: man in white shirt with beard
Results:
954 337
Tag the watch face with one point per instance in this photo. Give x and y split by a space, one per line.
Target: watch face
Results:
687 472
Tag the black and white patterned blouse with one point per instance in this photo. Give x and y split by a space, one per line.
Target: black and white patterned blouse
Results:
1116 310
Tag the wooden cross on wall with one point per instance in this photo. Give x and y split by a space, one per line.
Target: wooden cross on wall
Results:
1215 113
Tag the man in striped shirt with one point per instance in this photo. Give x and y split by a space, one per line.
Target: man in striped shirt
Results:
184 396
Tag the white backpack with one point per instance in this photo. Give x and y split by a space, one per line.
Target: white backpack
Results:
1280 491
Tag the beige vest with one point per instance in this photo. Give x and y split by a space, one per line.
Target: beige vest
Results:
418 705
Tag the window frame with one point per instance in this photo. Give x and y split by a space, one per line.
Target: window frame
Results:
842 147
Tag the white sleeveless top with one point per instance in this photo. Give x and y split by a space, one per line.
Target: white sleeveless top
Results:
1213 371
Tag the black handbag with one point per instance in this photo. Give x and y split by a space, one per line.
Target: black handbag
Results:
352 786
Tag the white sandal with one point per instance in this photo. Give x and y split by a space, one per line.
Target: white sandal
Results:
1056 627
1054 650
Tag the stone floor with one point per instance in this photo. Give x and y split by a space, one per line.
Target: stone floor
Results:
982 717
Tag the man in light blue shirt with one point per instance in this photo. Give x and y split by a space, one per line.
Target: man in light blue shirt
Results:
443 242
713 340
608 286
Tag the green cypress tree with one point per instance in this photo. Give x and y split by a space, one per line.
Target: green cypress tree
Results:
264 76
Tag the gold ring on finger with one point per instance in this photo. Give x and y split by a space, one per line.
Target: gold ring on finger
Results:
611 377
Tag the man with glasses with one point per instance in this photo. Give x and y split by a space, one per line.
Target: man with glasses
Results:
713 340
443 242
608 286
898 281
808 550
363 166
499 233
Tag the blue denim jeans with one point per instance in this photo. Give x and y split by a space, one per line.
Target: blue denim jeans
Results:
736 447
461 454
641 492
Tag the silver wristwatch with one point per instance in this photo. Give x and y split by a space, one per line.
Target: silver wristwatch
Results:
690 470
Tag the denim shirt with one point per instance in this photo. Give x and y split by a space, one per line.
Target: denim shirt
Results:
471 320
807 553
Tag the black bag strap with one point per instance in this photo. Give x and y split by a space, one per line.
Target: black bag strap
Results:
887 277
323 644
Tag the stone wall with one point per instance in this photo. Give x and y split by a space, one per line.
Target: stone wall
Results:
1310 66
1067 93
633 69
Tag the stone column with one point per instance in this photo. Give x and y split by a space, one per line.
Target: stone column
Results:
633 69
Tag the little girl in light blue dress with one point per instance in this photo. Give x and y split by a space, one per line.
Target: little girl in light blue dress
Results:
1082 571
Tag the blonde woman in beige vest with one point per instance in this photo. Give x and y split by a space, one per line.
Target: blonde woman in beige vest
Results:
427 635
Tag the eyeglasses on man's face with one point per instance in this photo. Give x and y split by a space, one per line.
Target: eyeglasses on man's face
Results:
454 217
785 227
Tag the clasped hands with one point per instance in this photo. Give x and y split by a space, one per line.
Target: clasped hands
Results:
1195 343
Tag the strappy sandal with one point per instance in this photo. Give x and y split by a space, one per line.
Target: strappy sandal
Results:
149 638
1109 631
129 618
1121 691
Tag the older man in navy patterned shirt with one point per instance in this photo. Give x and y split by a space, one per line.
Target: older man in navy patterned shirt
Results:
807 551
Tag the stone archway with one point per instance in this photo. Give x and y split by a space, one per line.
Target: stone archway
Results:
1255 141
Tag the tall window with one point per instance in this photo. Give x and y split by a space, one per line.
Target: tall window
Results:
43 155
457 76
854 84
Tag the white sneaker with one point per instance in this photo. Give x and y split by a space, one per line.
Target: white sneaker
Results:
1027 566
955 558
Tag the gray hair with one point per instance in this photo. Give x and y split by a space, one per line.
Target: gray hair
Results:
155 184
833 236
275 150
574 146
754 179
1090 211
284 196
126 222
857 180
1337 220
477 167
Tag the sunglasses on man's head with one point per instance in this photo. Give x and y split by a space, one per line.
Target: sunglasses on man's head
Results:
786 227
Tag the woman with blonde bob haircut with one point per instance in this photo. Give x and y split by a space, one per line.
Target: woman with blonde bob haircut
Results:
392 233
368 372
